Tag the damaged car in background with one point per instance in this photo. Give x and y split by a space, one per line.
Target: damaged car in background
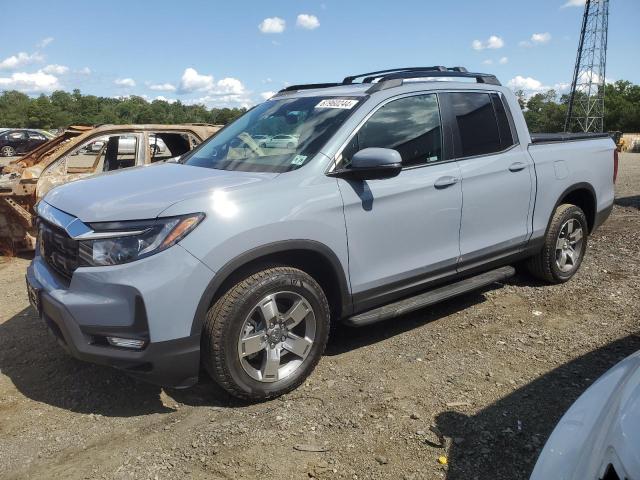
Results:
78 153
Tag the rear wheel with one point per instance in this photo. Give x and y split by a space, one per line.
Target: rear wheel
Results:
564 246
8 151
266 334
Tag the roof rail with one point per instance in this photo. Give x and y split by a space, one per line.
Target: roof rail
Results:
393 77
308 86
349 80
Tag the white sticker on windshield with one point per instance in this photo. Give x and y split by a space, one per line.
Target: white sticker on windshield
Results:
342 103
298 160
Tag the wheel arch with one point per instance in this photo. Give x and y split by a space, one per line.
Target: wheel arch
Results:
313 257
581 195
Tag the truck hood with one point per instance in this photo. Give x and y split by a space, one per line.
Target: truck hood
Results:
143 192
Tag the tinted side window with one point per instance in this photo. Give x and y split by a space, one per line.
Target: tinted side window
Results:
410 125
476 122
506 137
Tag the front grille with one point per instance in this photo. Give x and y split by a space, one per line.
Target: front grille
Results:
57 248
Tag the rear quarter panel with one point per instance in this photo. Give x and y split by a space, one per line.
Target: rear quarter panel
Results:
560 166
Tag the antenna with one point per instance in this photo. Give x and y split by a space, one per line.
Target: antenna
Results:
586 100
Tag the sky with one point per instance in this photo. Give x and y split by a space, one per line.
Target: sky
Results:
237 53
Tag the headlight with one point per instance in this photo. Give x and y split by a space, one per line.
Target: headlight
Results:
113 243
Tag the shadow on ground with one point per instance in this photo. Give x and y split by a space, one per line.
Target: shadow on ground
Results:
508 435
42 371
631 201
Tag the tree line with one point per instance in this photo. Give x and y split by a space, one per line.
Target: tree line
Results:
61 109
544 112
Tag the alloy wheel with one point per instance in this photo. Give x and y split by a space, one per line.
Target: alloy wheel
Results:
569 245
276 336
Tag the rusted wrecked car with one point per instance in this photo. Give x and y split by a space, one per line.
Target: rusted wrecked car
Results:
77 153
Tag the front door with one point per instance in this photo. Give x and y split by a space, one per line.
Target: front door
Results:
402 232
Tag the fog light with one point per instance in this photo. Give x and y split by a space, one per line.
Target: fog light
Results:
126 342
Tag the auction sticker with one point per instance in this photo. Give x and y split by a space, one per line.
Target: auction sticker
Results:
298 160
342 103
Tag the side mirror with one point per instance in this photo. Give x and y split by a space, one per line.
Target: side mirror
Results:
372 164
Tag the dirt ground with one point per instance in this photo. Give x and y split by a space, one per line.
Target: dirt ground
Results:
481 379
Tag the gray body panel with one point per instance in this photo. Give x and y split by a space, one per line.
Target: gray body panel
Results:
388 237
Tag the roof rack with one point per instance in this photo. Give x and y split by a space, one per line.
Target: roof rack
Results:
383 79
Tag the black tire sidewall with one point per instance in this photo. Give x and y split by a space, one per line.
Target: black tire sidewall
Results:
577 214
293 281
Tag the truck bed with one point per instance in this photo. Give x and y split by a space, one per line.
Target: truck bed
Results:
564 137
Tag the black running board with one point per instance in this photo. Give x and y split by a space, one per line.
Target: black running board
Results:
429 298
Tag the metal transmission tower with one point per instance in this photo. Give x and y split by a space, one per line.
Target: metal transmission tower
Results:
586 102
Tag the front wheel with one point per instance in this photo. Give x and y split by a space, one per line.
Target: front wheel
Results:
565 244
266 334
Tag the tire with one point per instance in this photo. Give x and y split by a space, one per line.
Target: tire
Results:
241 366
290 145
561 238
8 151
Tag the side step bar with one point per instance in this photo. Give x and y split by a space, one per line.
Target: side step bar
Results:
429 298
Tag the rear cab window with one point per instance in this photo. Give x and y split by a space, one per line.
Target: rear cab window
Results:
482 123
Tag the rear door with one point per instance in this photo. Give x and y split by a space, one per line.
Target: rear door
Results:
402 232
497 177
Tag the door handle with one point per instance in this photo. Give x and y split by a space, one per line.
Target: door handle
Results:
517 166
444 182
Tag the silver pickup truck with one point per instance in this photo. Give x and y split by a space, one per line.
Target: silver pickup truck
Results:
399 192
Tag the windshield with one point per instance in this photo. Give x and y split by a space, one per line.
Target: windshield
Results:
276 136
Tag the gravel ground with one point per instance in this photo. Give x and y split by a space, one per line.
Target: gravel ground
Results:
481 379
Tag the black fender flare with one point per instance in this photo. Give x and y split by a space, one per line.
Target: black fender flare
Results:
263 251
573 188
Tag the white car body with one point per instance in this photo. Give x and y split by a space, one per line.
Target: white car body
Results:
128 144
600 432
281 141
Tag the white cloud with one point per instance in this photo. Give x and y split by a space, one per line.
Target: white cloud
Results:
19 60
267 95
164 99
574 3
536 39
230 86
56 69
272 25
310 22
528 84
221 101
30 82
531 86
488 61
162 87
492 42
503 60
125 82
541 38
44 42
226 92
84 71
192 81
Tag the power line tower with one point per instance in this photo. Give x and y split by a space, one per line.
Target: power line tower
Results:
586 101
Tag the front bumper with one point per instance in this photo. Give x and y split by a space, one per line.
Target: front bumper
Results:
104 302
